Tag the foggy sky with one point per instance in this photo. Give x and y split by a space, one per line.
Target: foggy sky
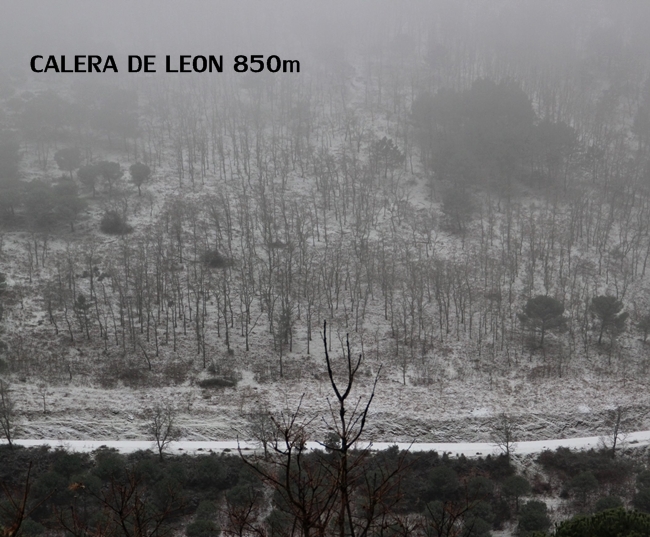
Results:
293 27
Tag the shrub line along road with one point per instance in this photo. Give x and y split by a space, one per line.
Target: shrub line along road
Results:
469 449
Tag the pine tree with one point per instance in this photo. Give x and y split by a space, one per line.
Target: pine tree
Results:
607 309
543 313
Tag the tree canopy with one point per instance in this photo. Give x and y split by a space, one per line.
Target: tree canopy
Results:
607 309
618 522
68 159
140 174
481 133
543 313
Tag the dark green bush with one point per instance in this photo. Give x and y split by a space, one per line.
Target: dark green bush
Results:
443 484
417 487
567 464
109 464
206 510
68 464
608 502
583 484
479 520
533 517
515 487
49 483
615 522
641 500
148 470
244 494
166 488
480 487
207 472
91 482
502 513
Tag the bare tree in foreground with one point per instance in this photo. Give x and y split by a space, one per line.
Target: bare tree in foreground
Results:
348 425
303 484
128 510
14 510
341 488
243 514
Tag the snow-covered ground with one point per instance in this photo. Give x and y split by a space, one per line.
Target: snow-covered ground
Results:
469 449
456 410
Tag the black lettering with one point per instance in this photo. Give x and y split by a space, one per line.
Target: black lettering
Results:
168 65
257 59
79 64
51 64
63 69
148 64
290 64
110 64
93 63
33 64
218 65
185 63
241 63
199 64
273 68
136 69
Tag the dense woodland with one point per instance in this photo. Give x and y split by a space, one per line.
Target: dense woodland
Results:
418 191
463 188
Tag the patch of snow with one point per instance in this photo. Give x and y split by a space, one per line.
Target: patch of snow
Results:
468 449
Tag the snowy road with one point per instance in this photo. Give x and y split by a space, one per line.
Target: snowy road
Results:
636 439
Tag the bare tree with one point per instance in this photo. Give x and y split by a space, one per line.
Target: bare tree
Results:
8 413
318 489
616 437
348 425
617 429
243 512
504 434
42 392
128 510
304 485
261 427
161 425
